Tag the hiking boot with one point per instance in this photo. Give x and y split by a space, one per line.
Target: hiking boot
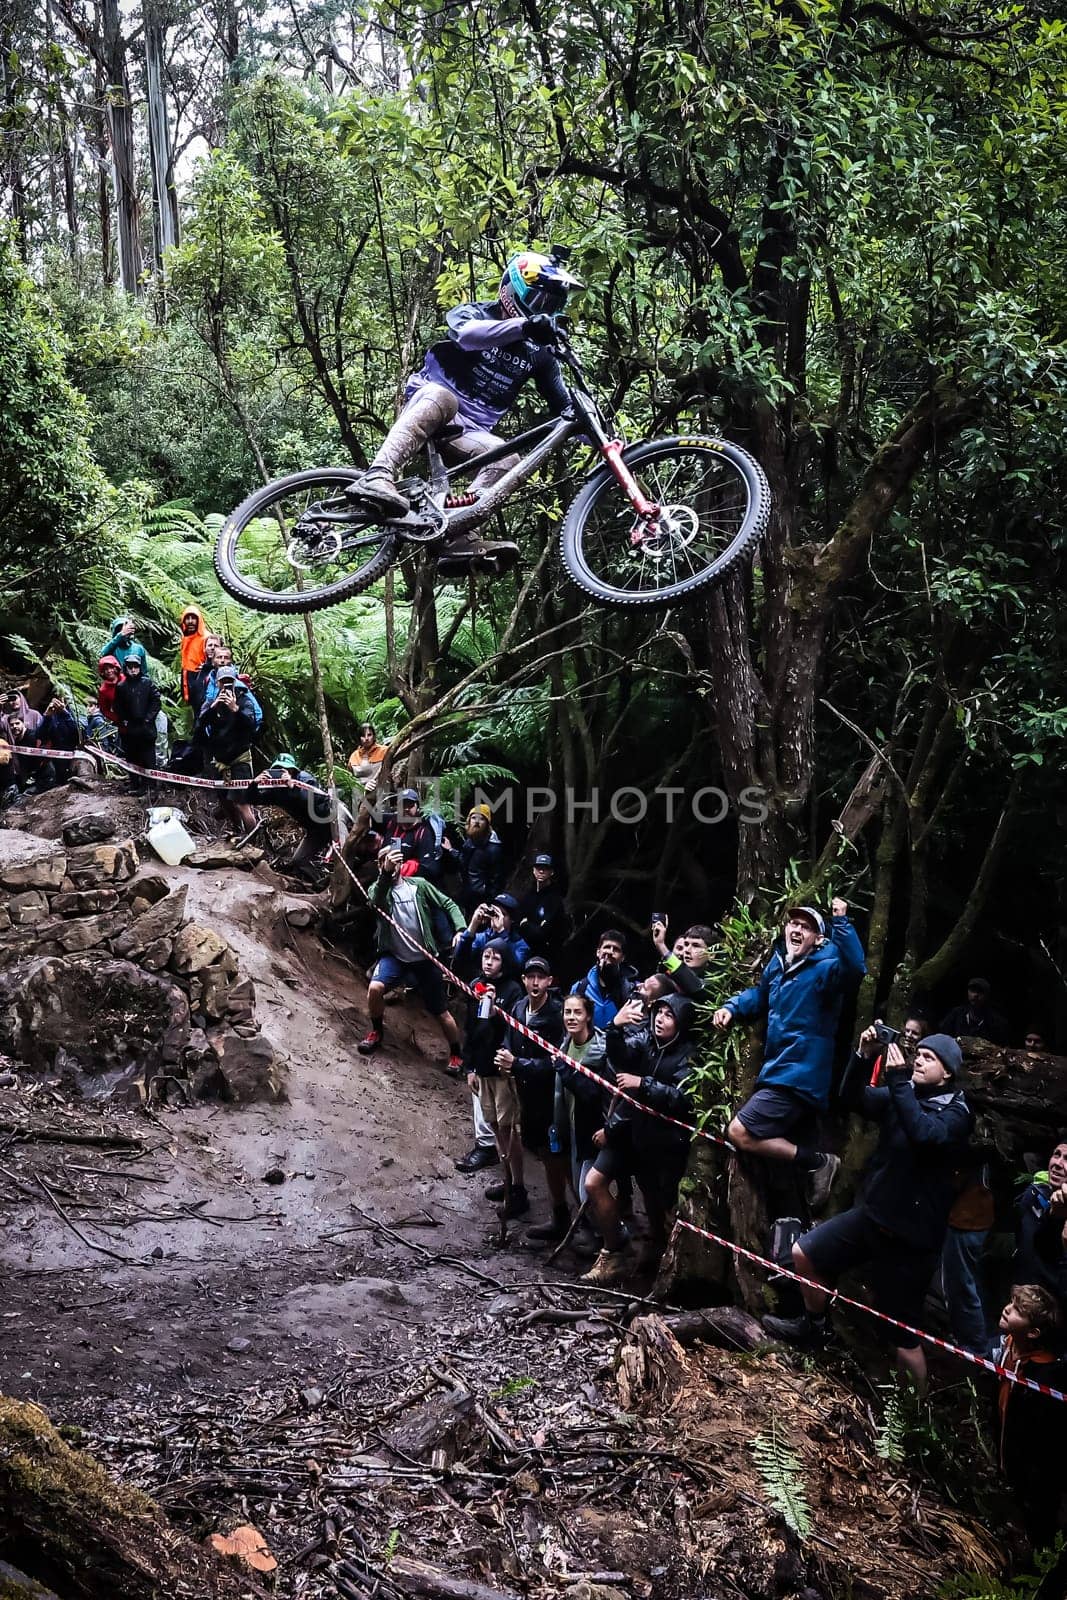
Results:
804 1329
820 1181
611 1266
370 1041
517 1203
454 1065
483 1155
377 487
551 1232
496 1192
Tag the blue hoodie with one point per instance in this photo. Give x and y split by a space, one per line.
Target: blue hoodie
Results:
802 1007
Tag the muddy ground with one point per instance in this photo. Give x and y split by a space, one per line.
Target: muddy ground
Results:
289 1267
247 1349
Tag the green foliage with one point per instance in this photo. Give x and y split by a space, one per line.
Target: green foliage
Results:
890 1439
53 497
782 1473
981 1586
512 1387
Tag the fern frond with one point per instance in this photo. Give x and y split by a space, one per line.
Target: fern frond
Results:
890 1440
782 1473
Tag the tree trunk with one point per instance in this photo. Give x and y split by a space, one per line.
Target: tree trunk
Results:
120 128
165 200
66 1523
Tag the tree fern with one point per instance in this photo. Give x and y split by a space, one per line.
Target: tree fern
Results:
782 1473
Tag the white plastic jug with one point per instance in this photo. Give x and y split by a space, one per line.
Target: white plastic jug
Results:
167 836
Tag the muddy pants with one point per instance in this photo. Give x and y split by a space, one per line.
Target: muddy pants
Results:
430 408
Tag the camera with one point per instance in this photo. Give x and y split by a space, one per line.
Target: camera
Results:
886 1035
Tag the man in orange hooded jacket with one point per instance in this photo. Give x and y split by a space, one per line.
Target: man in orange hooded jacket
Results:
193 646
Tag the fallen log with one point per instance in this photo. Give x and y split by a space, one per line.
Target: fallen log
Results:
727 1326
1020 1096
432 1583
68 1524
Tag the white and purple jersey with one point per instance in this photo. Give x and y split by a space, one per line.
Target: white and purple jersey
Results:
485 361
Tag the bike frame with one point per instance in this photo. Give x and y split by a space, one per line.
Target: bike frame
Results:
544 439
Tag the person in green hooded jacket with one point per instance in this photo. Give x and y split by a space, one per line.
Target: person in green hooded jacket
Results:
122 644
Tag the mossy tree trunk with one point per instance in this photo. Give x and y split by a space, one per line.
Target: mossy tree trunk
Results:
66 1523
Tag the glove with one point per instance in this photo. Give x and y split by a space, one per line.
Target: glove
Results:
541 329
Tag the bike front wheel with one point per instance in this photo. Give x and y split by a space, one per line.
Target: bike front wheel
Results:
713 501
298 544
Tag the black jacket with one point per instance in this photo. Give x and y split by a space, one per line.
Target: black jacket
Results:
58 731
483 1036
481 866
1040 1254
420 841
137 705
664 1072
227 734
910 1182
535 1068
543 921
582 1101
963 1023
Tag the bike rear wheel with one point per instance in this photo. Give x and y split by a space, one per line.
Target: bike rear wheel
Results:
298 545
714 503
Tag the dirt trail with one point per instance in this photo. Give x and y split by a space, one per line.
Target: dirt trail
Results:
382 1133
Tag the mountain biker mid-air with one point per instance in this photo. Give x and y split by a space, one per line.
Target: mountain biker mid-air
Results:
468 381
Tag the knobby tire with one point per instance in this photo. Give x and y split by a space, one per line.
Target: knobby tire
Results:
305 599
603 484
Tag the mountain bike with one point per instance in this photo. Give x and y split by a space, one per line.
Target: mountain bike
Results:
652 524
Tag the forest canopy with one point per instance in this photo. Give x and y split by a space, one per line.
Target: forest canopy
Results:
832 231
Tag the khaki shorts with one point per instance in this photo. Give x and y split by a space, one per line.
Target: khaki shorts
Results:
500 1103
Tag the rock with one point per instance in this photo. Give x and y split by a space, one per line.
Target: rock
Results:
156 957
90 829
239 1346
150 886
197 947
83 933
217 981
27 862
222 856
92 864
299 914
81 902
139 906
161 921
5 919
274 1175
250 1067
97 1018
28 907
157 1253
242 996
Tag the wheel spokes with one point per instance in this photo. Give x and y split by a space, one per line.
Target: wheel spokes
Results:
703 502
307 537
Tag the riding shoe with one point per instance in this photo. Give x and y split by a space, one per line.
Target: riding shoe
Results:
469 554
377 486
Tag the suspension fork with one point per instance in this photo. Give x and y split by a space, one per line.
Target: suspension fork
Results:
646 509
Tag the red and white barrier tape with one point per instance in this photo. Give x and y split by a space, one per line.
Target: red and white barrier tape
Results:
92 752
881 1316
531 1033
